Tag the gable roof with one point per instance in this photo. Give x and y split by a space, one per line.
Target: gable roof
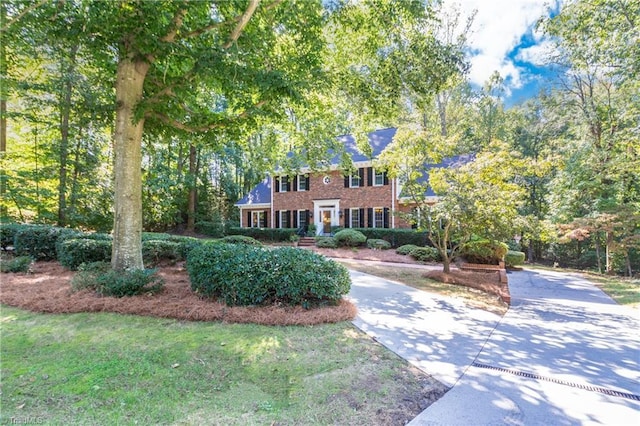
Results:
260 195
378 140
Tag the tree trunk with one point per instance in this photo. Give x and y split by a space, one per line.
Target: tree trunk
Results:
530 252
609 254
65 113
446 263
127 222
193 173
3 119
598 261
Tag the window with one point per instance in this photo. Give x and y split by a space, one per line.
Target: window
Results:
303 183
258 219
284 183
302 218
284 219
354 214
378 178
354 181
378 217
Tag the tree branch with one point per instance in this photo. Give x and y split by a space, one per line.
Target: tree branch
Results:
198 129
21 14
244 20
176 25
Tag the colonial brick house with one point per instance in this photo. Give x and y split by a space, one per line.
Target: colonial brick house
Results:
328 199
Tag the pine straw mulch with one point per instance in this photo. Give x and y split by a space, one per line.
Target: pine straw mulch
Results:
488 282
47 289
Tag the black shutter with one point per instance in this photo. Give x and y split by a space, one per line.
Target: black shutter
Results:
277 180
386 217
369 176
295 183
386 178
347 223
370 217
306 220
295 219
307 185
248 219
361 174
346 181
277 219
361 218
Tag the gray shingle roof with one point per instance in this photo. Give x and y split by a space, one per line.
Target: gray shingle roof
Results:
261 194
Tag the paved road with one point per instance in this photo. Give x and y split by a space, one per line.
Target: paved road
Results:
564 354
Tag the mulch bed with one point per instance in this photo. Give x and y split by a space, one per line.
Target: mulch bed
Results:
488 281
47 289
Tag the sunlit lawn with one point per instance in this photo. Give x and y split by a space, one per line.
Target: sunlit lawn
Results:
115 369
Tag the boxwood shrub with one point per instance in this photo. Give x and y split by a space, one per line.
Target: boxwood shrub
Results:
326 242
484 251
212 229
377 244
74 252
17 264
425 254
406 249
39 241
396 237
514 258
155 250
240 239
275 235
247 275
350 238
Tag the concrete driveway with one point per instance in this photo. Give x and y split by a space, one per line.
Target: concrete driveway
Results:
564 354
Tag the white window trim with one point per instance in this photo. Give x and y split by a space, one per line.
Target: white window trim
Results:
302 178
374 217
374 172
258 212
282 178
301 214
351 177
351 217
285 214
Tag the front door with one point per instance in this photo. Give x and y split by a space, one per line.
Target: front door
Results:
326 221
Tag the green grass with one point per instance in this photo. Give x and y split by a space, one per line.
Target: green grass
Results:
115 369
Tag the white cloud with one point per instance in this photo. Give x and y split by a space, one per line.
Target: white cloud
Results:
497 29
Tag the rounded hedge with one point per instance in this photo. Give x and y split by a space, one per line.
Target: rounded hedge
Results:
243 275
514 258
240 239
350 238
406 249
378 244
425 254
74 252
39 241
326 242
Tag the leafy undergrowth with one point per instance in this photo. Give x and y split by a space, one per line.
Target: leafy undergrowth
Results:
47 289
104 368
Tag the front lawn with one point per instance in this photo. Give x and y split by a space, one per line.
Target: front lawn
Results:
103 368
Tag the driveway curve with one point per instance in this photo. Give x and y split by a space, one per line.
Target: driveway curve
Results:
564 353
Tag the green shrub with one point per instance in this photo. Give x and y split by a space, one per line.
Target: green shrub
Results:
39 241
155 250
326 242
397 237
240 239
246 275
425 254
74 252
87 275
8 232
484 251
378 244
350 238
514 258
212 229
17 264
406 249
276 235
128 283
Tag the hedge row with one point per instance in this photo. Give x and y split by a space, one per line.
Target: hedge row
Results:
246 275
265 234
396 237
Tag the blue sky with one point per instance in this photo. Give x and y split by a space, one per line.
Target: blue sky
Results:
503 38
